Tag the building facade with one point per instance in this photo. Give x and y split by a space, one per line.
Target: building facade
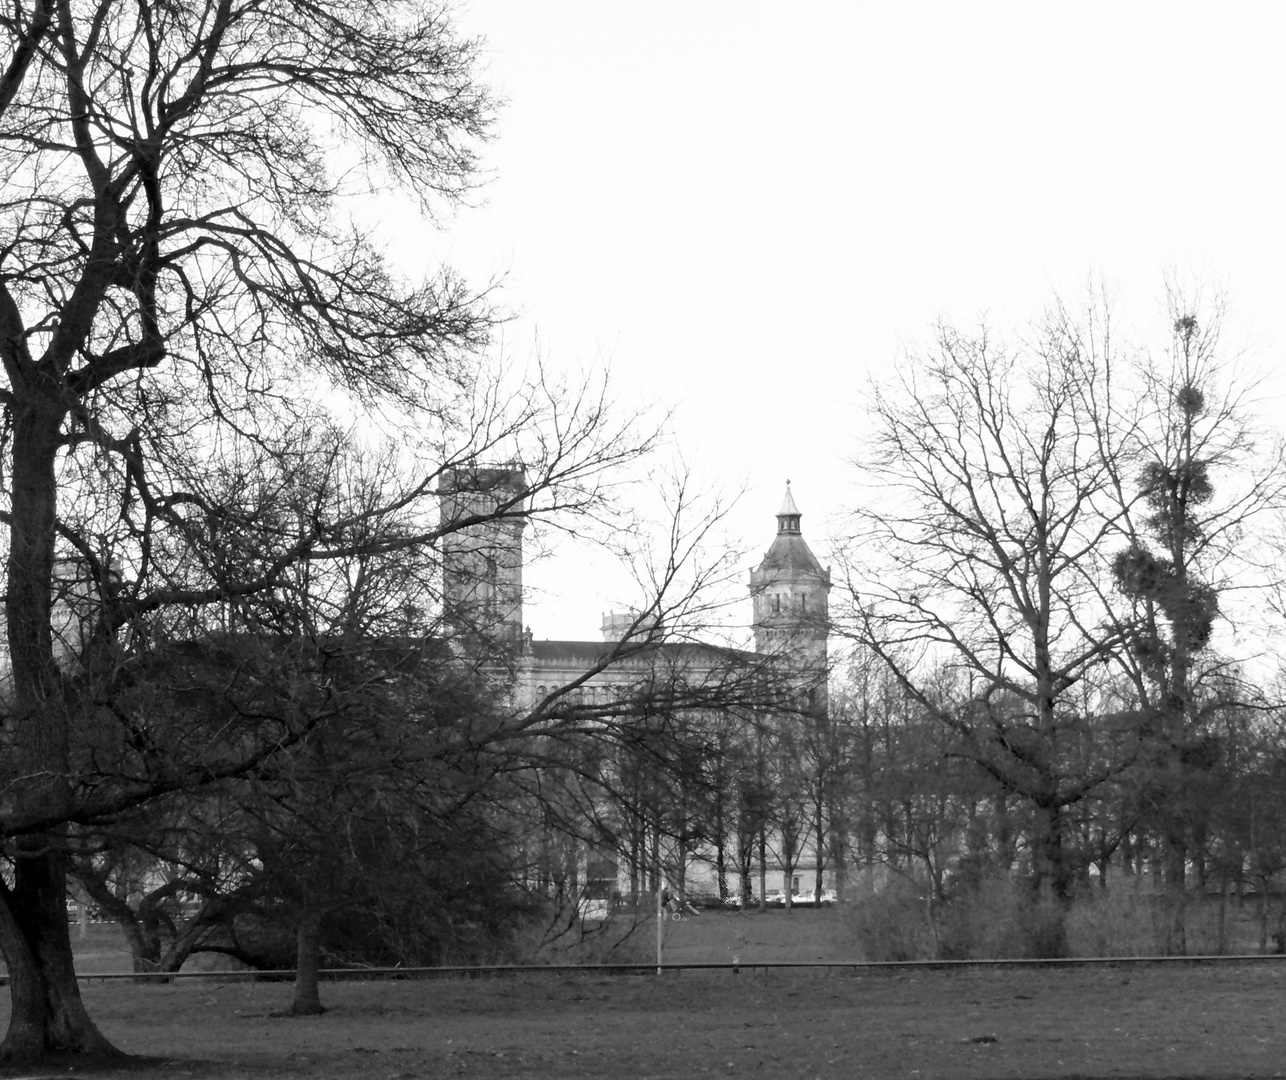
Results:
725 694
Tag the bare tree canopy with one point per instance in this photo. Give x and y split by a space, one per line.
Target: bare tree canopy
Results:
177 279
1016 487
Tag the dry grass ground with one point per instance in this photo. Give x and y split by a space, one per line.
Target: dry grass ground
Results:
965 1024
1151 1022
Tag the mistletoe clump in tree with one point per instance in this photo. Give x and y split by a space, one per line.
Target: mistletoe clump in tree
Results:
1165 573
1164 583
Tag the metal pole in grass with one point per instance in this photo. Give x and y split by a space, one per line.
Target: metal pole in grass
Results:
660 919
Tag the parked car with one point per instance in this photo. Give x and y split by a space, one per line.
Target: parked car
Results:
594 909
805 899
712 901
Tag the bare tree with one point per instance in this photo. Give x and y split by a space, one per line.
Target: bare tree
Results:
177 281
997 475
1053 525
169 236
1208 482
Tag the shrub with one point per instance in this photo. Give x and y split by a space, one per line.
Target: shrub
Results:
1118 921
1044 927
983 922
999 918
993 917
891 921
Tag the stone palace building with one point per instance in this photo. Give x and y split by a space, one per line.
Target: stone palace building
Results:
789 600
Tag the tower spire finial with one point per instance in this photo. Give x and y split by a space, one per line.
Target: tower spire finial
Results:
788 516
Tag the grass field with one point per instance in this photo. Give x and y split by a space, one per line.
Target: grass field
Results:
1152 1022
806 934
1001 1024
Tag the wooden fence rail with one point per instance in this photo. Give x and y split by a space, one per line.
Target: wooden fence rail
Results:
759 967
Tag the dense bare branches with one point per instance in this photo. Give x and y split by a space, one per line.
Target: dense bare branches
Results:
1019 494
176 276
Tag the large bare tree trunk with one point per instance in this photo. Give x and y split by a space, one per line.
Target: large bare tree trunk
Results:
1175 939
840 864
1049 858
307 1000
47 1015
1052 878
821 856
720 845
763 870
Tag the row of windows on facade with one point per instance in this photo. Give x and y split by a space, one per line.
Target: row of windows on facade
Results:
593 694
606 694
778 597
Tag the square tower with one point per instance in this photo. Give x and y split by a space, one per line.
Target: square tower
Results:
483 514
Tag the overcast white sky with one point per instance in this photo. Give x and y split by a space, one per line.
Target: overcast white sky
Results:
749 208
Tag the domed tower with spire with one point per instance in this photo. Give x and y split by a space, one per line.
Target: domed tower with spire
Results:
790 593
